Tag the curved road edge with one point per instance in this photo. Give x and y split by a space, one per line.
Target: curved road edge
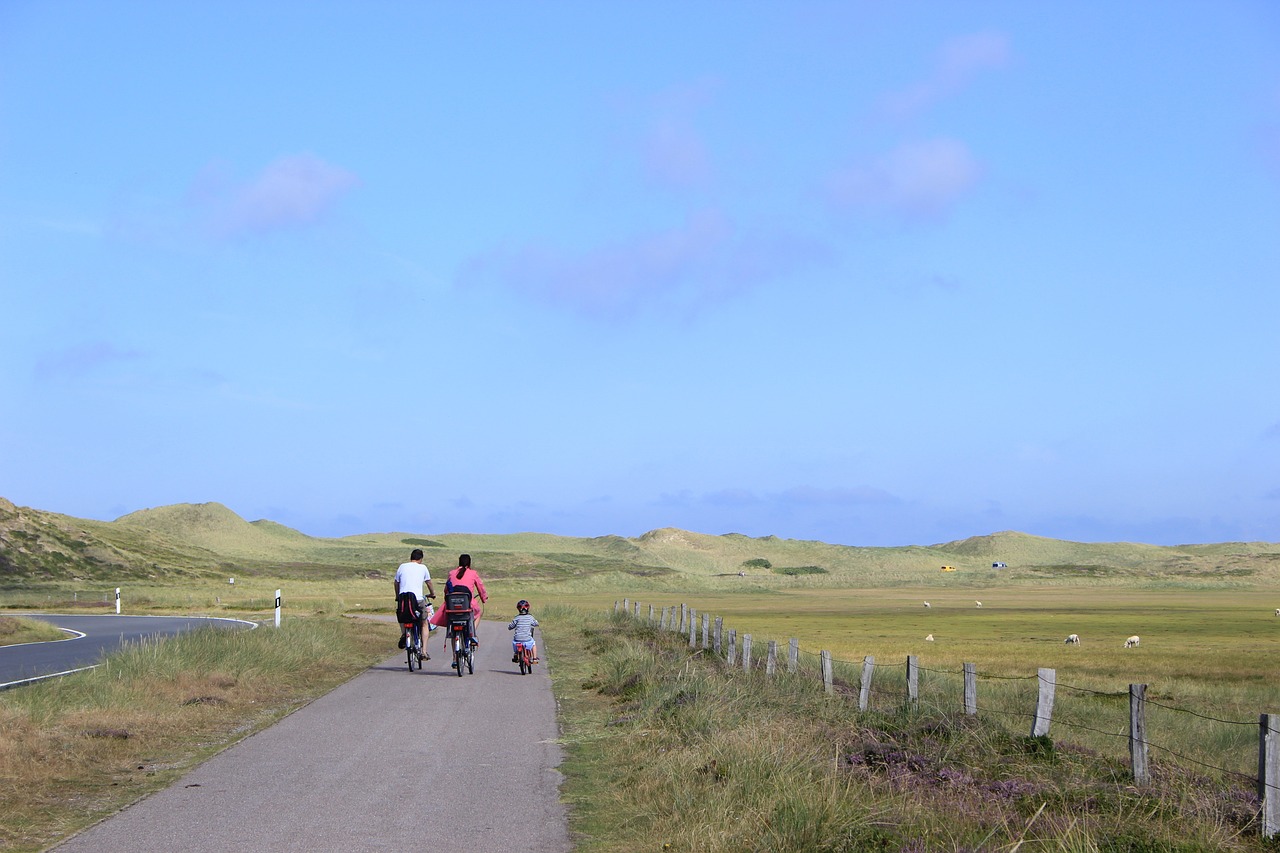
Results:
26 663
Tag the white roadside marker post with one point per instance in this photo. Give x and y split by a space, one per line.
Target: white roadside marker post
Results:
277 608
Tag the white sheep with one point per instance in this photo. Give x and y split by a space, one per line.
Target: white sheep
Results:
1278 611
929 639
1072 639
1132 642
979 603
927 604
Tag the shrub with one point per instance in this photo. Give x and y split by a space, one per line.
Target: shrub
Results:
425 543
799 570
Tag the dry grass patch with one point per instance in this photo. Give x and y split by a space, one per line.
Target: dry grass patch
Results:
19 629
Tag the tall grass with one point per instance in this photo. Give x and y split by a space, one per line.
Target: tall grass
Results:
670 749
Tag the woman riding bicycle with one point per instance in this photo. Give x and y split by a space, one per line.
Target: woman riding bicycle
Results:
465 577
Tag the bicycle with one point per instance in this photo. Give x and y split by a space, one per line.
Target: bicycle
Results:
463 651
410 617
413 647
458 608
525 658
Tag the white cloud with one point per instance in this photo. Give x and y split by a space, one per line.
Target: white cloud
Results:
915 180
675 155
291 191
82 358
700 262
957 62
811 496
673 152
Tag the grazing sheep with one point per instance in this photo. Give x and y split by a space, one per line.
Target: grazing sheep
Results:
1132 642
1072 639
927 604
1278 611
979 603
929 638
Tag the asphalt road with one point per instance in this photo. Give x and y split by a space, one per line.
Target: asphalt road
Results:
390 760
98 634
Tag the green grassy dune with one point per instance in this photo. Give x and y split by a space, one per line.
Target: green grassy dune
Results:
193 540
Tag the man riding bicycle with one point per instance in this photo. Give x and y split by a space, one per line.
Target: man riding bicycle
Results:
411 577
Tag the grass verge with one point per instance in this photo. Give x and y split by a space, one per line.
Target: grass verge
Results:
669 749
76 749
18 629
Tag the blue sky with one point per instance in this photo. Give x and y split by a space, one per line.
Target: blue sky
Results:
869 273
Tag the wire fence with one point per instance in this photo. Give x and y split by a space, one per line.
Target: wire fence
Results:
1099 721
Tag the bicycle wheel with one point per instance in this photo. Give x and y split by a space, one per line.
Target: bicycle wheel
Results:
408 648
525 666
458 656
471 661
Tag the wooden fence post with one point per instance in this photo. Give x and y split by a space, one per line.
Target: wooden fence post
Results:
1044 703
626 605
717 635
671 619
706 627
746 651
913 681
1269 774
1138 733
693 630
681 628
971 689
828 682
771 662
733 647
615 605
864 688
793 654
636 611
662 620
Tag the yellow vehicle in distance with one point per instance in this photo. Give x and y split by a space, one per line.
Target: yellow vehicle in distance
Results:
948 568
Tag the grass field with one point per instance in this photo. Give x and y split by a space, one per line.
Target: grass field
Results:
1205 613
1205 654
1208 657
671 749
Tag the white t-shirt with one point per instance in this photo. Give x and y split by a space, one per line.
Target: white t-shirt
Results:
413 577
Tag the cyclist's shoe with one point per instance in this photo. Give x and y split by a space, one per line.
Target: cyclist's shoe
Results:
515 658
453 665
423 656
402 642
535 660
475 644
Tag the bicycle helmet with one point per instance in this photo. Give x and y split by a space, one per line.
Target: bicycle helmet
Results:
522 606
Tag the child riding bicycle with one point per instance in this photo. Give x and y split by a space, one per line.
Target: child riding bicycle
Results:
523 625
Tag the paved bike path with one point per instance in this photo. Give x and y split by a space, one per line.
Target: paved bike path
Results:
389 760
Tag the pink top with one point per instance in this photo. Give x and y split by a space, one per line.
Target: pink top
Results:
470 580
